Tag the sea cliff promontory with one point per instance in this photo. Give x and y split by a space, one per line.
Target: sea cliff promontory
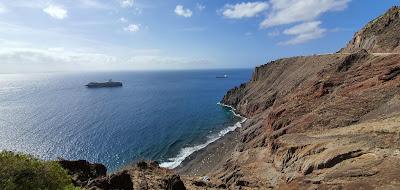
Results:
327 121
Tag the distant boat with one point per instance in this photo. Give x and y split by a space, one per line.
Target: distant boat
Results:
222 77
107 84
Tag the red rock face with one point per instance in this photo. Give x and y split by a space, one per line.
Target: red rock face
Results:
300 111
328 96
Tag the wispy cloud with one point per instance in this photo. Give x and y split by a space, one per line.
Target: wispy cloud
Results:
181 11
56 12
126 3
132 28
304 13
293 11
304 32
25 48
200 7
244 10
22 36
34 60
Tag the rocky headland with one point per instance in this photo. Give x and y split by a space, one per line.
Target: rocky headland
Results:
314 122
319 122
327 121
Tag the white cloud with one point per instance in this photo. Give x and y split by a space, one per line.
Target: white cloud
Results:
132 28
52 59
126 3
28 60
244 10
200 7
56 12
26 49
123 20
293 11
181 11
304 32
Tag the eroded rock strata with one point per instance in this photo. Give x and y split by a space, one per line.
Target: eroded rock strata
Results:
324 121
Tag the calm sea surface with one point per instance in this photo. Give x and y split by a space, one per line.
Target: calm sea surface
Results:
161 116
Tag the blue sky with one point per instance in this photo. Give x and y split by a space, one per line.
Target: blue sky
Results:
80 35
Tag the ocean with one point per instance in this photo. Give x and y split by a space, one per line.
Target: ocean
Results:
156 115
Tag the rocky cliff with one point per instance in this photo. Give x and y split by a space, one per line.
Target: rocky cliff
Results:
381 35
327 121
315 122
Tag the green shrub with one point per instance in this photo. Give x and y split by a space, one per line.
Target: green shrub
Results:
25 172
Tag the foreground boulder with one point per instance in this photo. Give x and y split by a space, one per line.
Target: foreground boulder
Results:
82 171
94 176
121 180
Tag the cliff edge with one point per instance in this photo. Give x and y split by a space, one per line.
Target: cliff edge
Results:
381 35
314 122
325 121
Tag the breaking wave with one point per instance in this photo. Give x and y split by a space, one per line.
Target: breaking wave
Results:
187 151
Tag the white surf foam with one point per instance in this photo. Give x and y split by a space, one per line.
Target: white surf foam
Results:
187 151
233 110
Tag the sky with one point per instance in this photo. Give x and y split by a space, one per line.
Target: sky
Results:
108 35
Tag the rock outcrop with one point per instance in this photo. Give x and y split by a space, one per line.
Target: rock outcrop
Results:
148 175
324 121
381 35
94 176
82 171
119 180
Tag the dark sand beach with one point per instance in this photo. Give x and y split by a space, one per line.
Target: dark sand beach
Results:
205 161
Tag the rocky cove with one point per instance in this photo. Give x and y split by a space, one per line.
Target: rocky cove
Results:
314 122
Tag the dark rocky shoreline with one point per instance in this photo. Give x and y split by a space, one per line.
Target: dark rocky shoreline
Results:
203 162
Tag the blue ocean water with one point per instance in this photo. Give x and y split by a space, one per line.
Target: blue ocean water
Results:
161 115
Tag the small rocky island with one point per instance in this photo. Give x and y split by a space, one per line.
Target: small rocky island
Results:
107 84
